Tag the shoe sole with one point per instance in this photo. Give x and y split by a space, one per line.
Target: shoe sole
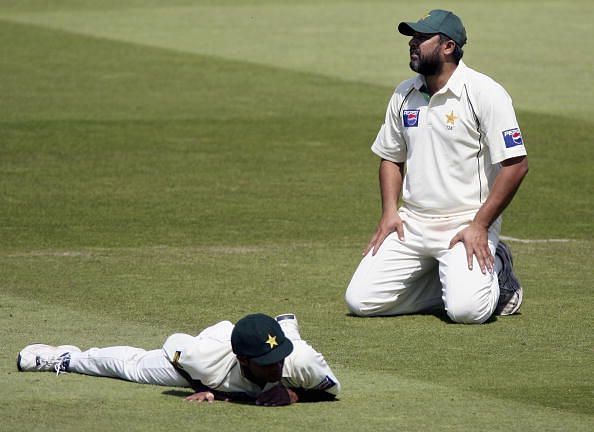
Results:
19 357
520 292
505 252
72 348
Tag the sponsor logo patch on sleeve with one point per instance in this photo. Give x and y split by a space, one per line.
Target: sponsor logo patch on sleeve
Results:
512 138
410 118
326 383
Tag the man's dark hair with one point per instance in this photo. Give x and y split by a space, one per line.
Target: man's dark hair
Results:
458 52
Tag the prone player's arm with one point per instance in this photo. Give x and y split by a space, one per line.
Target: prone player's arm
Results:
203 396
280 395
206 394
308 395
391 175
202 393
311 378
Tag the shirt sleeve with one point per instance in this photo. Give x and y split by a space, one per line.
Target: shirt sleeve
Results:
307 369
389 143
207 357
499 125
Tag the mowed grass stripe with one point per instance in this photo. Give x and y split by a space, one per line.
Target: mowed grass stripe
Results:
358 41
71 76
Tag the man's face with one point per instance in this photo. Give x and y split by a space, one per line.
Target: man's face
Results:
425 54
269 373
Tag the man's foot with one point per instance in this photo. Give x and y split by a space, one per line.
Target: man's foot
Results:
510 291
40 357
289 324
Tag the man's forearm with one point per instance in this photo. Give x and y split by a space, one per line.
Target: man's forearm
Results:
313 395
505 187
390 179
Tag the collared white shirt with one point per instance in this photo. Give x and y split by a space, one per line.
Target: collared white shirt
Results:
209 358
452 143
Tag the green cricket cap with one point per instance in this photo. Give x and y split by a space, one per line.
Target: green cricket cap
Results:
437 21
261 339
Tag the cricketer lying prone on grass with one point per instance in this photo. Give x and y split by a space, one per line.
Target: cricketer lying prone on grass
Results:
260 359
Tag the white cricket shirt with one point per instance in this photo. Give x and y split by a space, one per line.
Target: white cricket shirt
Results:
452 143
209 358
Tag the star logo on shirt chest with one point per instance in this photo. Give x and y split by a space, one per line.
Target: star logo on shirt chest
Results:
450 120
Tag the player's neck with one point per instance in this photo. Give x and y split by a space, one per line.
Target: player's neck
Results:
436 82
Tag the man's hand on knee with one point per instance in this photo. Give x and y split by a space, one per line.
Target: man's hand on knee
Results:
389 223
475 239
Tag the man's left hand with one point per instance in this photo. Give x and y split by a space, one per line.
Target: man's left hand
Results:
276 396
475 239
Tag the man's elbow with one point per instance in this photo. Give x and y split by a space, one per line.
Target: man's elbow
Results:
518 166
522 167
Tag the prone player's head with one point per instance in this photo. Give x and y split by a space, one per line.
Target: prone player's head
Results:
261 347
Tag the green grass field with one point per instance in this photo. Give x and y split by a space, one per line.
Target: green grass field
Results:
166 165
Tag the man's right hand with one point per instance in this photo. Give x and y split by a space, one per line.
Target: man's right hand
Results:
389 223
203 396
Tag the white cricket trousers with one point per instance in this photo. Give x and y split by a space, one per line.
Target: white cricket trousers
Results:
422 273
127 363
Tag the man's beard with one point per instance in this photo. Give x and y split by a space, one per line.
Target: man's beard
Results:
427 65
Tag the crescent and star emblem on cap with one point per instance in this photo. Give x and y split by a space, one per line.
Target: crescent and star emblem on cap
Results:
272 341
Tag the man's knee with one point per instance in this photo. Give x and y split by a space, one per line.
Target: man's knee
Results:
355 303
468 311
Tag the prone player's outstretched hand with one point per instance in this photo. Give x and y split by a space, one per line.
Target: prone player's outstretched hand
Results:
201 397
475 239
389 223
276 396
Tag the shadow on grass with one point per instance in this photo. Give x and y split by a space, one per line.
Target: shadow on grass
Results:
437 313
242 400
239 398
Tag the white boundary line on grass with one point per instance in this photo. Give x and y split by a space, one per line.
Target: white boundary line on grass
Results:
535 240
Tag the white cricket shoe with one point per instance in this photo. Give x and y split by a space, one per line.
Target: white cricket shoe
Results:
290 325
40 357
510 290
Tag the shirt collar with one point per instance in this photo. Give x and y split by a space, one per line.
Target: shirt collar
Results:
455 84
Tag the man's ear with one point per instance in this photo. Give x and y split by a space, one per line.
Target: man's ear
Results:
243 360
449 47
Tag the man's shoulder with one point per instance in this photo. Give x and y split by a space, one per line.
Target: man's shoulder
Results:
479 82
303 354
407 85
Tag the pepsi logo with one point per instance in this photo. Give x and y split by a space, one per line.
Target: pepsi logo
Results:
517 137
512 138
410 118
